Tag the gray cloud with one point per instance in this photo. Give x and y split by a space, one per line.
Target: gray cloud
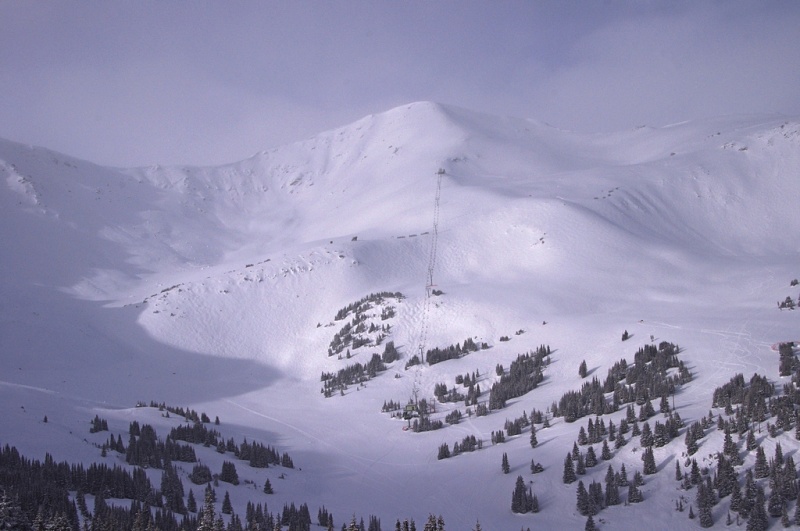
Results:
210 82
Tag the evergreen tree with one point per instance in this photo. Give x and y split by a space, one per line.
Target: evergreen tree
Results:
612 488
268 487
761 468
591 457
758 517
444 451
634 494
736 496
663 406
646 439
751 443
582 370
623 476
582 437
797 510
704 504
775 505
227 508
11 514
596 497
605 454
649 461
519 498
534 441
191 502
206 520
694 474
229 474
590 524
580 466
582 502
504 465
569 470
730 449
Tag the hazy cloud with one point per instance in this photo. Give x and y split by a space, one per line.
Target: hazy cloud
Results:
210 82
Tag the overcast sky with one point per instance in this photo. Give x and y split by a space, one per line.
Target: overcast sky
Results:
143 82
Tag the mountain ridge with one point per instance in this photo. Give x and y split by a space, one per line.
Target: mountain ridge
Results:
218 287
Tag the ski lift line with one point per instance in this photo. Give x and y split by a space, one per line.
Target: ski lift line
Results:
426 303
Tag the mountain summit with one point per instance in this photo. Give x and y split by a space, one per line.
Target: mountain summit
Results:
226 286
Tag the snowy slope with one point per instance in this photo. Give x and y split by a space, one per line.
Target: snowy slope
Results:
205 287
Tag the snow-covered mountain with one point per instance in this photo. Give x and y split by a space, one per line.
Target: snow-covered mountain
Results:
217 288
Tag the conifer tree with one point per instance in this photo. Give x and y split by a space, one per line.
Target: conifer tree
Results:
580 466
227 508
761 468
591 457
704 506
775 505
730 449
582 438
605 453
206 522
582 502
612 489
797 510
623 476
736 496
569 470
11 514
646 439
191 502
534 441
758 517
520 499
504 465
649 461
634 494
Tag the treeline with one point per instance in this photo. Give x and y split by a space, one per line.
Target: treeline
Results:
424 422
352 374
255 453
524 375
437 355
145 449
646 378
363 304
352 333
189 414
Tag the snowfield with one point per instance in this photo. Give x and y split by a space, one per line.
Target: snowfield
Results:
217 289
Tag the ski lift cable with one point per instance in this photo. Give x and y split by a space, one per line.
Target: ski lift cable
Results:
425 323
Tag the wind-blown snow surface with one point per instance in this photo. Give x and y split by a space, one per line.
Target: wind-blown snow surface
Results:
204 287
